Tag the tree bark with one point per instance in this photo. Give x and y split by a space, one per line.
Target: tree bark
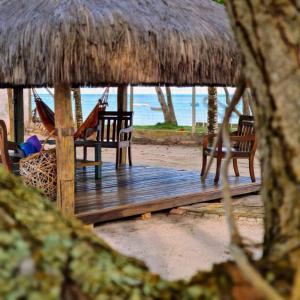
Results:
269 38
246 102
170 106
57 258
212 110
131 98
78 107
167 107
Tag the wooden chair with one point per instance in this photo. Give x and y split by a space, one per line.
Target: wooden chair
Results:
243 143
114 130
6 160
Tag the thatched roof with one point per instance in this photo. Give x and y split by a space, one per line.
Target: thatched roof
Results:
95 42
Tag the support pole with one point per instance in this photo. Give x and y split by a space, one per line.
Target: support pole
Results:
10 99
122 106
131 98
64 149
122 98
29 108
193 110
18 115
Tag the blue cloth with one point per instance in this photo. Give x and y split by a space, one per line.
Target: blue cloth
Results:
28 148
35 143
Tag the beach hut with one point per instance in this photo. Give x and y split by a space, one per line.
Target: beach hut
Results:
72 43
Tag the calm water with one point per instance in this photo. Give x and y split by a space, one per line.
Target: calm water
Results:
144 115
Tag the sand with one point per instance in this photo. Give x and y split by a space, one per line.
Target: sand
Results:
176 246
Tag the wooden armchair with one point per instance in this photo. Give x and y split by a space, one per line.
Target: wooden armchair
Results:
243 146
6 160
114 130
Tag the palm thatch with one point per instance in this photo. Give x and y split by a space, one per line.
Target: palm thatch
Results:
97 42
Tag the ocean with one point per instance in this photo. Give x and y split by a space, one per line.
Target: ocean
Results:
146 105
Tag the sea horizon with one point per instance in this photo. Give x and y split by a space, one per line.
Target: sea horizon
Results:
146 107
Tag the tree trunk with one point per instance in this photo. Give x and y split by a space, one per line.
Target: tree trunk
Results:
167 107
163 104
57 258
78 107
170 106
212 112
269 38
11 113
131 98
246 103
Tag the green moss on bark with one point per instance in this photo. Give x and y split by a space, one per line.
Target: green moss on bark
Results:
45 256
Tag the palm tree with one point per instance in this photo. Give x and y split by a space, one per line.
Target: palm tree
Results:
212 113
78 107
167 107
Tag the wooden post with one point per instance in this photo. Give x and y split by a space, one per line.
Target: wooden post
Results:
29 107
193 110
122 106
10 99
18 115
131 98
64 149
122 98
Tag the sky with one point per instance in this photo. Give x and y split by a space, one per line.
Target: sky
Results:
148 90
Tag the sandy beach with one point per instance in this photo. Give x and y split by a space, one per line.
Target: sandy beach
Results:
177 245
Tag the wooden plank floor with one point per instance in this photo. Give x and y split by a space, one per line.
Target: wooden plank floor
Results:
141 189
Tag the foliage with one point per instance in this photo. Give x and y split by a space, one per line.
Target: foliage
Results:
46 256
220 1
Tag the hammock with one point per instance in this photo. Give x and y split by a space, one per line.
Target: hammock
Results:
47 116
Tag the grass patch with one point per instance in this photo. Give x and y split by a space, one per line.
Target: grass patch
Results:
171 127
166 126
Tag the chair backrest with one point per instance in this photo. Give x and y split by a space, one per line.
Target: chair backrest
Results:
110 124
245 128
4 156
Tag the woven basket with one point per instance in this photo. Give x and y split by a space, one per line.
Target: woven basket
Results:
39 171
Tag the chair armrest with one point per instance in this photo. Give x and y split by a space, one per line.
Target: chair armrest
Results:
244 138
127 131
234 133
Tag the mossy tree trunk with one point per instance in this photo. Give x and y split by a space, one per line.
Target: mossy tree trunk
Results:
212 110
269 38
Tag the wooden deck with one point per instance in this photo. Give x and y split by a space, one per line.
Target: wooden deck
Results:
141 189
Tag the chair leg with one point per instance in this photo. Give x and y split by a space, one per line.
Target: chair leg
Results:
235 167
117 158
129 156
218 169
98 159
84 153
251 168
120 156
204 161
